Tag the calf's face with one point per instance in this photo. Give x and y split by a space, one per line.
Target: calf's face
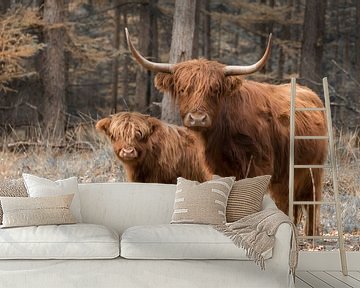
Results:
129 134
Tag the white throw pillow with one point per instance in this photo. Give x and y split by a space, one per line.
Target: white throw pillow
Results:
72 241
181 241
42 187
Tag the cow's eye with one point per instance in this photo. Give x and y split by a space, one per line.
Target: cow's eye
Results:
138 135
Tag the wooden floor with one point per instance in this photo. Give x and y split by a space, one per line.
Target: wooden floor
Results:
323 270
327 279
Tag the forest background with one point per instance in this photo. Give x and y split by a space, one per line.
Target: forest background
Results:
65 64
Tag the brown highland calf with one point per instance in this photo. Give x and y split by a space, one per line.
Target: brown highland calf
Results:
246 124
153 151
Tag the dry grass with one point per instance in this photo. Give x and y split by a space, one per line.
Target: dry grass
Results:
89 156
348 163
85 154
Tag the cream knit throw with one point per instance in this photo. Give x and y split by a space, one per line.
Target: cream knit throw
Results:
256 234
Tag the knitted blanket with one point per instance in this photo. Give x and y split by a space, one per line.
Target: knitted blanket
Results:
256 234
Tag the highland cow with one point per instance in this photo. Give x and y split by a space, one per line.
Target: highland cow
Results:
246 124
153 151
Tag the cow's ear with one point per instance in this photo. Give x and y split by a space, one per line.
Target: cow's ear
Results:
103 125
164 82
153 123
233 82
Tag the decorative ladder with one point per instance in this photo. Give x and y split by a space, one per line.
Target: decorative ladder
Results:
332 165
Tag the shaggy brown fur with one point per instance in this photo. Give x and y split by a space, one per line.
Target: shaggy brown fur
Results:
251 120
163 152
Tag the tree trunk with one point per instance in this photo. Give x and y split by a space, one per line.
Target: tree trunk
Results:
195 51
154 97
270 28
53 73
295 34
125 70
357 49
181 49
219 38
4 6
142 78
263 30
285 31
207 30
313 42
115 75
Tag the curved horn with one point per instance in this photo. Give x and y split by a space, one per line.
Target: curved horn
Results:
153 66
243 70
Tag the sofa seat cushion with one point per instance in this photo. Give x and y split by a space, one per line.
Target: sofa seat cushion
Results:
74 241
180 241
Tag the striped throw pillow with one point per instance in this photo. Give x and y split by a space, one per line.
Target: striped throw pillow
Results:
246 197
201 203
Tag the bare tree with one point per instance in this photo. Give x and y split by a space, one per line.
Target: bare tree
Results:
53 72
115 66
313 41
357 49
4 5
196 40
142 78
206 29
125 68
181 49
285 33
154 45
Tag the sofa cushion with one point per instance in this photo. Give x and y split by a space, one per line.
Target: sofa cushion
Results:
246 197
11 188
27 211
181 241
73 241
201 203
42 187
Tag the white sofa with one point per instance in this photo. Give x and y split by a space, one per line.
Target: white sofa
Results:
119 206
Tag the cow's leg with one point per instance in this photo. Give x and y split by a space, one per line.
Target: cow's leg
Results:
308 187
314 214
303 191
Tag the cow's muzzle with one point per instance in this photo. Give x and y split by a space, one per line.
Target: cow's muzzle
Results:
197 119
128 153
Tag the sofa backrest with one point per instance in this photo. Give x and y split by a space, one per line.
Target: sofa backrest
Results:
122 205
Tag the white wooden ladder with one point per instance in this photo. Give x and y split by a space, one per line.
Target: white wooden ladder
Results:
332 166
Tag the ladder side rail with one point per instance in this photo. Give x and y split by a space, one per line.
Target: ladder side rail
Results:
292 148
334 176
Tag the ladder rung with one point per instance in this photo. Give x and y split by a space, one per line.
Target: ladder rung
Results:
312 166
314 202
310 109
318 237
311 137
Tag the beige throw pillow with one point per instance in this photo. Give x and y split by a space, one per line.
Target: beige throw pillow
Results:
246 197
27 211
42 187
201 203
11 188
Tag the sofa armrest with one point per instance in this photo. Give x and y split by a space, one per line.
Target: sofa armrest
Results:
281 253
